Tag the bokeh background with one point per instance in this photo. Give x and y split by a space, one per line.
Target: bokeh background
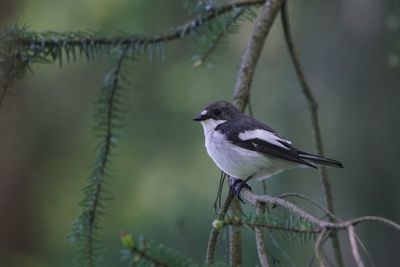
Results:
166 183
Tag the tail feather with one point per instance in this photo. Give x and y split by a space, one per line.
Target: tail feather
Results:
319 160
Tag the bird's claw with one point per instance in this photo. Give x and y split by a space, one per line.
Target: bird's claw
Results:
237 186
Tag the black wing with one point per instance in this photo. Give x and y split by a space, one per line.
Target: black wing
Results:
280 148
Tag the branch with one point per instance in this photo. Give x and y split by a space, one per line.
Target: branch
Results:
235 239
354 248
212 241
218 38
318 246
144 255
310 200
262 254
254 199
71 40
84 234
12 67
253 51
229 221
313 107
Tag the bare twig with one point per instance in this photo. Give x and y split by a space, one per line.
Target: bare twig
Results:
315 203
364 249
354 248
235 239
318 247
212 241
253 50
269 226
313 107
262 254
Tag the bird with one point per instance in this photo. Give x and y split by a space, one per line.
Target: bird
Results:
245 148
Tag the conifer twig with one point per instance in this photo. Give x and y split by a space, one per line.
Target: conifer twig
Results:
313 108
132 40
84 234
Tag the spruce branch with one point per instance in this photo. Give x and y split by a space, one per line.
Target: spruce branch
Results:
45 44
143 252
12 67
210 40
313 109
85 231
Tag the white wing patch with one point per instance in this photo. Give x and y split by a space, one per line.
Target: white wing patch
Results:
264 135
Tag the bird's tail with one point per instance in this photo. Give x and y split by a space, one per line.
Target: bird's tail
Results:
319 160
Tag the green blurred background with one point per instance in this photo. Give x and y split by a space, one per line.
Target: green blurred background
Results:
166 183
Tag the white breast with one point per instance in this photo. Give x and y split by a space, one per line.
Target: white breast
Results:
236 161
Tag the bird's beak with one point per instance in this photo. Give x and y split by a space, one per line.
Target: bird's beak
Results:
201 118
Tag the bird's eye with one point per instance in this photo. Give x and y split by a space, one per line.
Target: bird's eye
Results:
217 112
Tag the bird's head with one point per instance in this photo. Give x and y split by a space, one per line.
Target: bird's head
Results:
216 114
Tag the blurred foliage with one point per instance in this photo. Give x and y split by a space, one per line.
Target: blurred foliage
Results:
158 189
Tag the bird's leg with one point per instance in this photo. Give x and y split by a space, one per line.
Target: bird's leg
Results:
236 185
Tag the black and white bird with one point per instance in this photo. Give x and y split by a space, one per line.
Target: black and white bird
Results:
246 148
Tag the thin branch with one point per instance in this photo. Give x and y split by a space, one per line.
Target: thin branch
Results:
254 199
318 247
315 203
364 249
235 238
212 241
354 248
262 254
253 51
313 108
218 199
333 216
273 227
